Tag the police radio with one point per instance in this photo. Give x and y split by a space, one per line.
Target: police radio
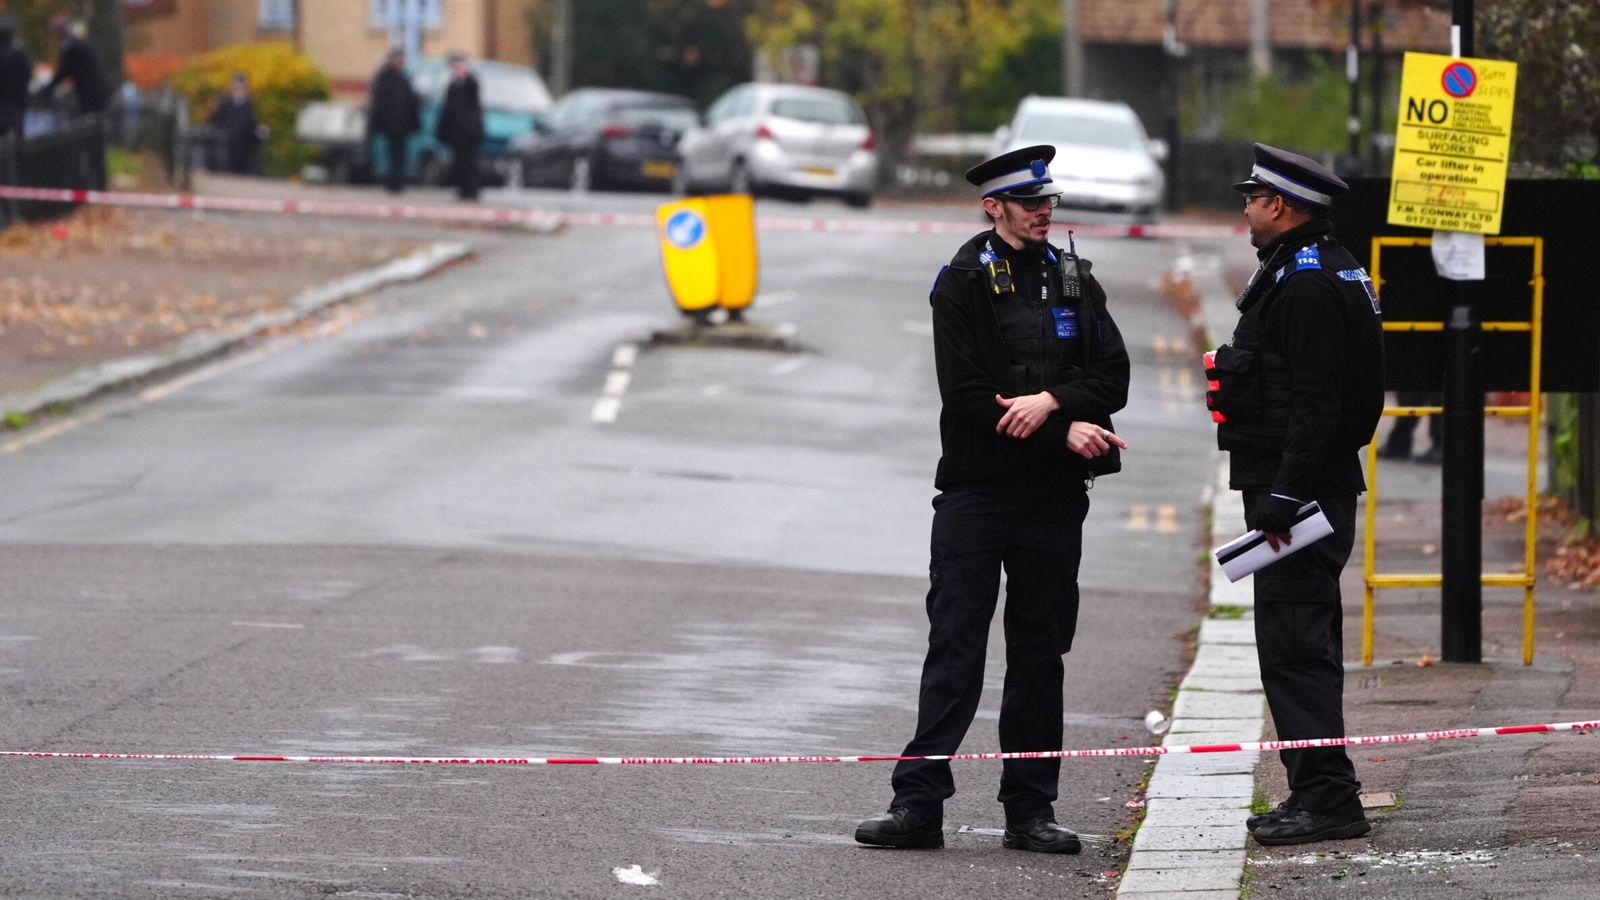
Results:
1071 279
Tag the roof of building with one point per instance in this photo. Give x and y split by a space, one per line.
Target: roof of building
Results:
1296 24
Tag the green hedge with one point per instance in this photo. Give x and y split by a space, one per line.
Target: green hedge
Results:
282 80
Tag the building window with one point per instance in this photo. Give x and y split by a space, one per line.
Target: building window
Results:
276 15
391 13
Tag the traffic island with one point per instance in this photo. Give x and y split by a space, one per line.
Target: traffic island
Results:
736 334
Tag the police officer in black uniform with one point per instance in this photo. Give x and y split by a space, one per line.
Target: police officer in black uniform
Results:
1030 368
1299 393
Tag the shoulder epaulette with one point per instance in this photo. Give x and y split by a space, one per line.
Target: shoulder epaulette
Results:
1307 257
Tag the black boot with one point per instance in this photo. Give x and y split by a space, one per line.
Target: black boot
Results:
1304 826
1041 836
1260 819
901 828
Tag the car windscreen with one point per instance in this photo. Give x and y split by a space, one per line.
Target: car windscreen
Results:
823 110
513 92
676 118
1092 131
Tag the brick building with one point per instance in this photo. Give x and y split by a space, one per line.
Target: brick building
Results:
1224 43
347 38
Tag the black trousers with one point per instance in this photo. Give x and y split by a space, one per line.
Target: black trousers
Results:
1038 544
1405 427
1300 644
394 177
464 169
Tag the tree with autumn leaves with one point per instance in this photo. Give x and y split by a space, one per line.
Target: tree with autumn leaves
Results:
916 64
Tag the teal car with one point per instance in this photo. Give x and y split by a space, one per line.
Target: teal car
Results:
513 97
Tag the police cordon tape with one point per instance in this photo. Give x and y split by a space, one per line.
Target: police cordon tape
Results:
477 215
1366 741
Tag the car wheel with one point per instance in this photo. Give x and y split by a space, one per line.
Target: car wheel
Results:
858 201
582 178
740 180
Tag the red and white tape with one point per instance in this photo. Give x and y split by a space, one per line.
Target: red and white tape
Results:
1365 741
481 215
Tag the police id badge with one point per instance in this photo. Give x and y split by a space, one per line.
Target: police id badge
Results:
1066 319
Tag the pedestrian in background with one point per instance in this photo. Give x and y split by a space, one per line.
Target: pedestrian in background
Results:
394 113
1402 433
460 127
236 129
16 71
79 63
1300 391
1030 368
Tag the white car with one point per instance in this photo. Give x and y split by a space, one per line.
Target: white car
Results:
782 138
1104 160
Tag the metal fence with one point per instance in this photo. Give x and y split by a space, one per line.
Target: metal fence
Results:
72 155
64 150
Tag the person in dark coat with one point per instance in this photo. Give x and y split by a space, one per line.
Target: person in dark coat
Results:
1299 393
460 127
394 113
80 64
16 70
238 132
1030 367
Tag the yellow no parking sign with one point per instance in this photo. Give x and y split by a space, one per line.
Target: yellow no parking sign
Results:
1453 143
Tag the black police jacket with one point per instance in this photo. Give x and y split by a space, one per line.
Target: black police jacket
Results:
974 363
1301 381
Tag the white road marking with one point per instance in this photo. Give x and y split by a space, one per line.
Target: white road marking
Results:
267 624
605 410
617 381
624 356
789 366
775 298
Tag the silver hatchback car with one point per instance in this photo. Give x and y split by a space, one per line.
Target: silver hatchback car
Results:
782 138
1104 160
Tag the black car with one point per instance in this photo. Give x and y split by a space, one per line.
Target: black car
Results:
606 138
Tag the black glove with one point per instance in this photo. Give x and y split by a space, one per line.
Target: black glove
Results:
1276 514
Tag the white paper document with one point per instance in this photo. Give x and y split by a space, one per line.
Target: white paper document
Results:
1458 255
1250 551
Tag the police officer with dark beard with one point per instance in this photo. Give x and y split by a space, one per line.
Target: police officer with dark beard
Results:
1030 368
1299 393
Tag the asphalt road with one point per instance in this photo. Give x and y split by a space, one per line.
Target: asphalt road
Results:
411 532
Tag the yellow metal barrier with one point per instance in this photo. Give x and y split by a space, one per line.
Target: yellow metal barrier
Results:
1534 327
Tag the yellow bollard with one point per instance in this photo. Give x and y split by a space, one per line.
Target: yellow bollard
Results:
733 221
689 255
